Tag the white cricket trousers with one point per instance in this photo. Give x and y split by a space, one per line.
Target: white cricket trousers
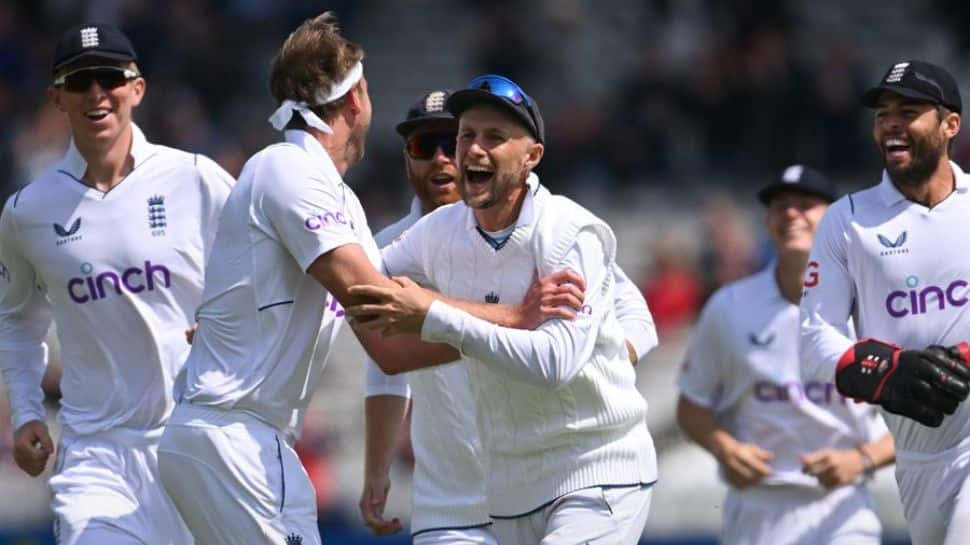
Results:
480 535
935 490
236 480
105 491
599 515
798 515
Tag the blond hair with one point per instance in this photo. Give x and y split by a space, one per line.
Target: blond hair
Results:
310 62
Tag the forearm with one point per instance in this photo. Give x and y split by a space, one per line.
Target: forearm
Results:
23 370
882 451
383 416
549 356
700 424
501 315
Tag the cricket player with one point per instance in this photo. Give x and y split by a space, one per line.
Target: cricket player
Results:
448 491
795 453
569 457
110 243
878 256
292 238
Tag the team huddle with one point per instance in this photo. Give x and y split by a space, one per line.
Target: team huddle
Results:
495 311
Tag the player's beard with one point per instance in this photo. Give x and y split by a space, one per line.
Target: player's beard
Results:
926 157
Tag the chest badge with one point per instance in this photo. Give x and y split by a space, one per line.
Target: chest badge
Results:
157 220
893 247
755 340
69 234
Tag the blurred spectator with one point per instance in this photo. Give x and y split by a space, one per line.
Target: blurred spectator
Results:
673 291
728 251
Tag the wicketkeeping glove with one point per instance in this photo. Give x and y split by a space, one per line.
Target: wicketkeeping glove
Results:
920 384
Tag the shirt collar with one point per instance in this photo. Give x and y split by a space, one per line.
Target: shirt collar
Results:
527 213
890 194
415 208
318 154
76 165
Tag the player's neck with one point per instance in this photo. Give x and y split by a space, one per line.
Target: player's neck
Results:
107 164
789 273
502 214
338 144
935 188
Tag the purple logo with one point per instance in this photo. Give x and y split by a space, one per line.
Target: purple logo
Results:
819 393
324 219
334 306
92 287
915 301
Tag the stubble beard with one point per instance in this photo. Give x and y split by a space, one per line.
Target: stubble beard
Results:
926 157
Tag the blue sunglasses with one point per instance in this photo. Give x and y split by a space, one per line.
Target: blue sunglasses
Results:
501 86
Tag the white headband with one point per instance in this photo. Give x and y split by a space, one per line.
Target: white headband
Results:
284 113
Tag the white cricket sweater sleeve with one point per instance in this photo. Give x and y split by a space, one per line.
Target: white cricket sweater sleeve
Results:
24 319
633 314
701 378
305 209
217 183
554 353
827 298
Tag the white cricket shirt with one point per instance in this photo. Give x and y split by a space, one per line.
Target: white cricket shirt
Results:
742 363
448 489
121 274
263 316
903 270
557 407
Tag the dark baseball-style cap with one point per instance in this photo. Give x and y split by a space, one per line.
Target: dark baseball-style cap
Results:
92 40
799 178
430 107
504 93
918 80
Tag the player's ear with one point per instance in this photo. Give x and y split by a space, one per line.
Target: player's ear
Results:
54 95
535 155
138 86
951 125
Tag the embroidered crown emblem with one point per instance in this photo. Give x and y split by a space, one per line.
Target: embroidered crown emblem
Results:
492 297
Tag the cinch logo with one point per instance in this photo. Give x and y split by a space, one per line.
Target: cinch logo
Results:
914 301
91 287
819 393
894 246
325 219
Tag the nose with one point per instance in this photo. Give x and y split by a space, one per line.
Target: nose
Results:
441 156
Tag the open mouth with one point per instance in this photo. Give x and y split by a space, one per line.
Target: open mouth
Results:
97 114
478 174
442 179
896 148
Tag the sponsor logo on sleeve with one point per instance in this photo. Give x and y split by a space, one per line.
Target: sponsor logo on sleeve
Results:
893 247
93 286
916 300
811 274
324 220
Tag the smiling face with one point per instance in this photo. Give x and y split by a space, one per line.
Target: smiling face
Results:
99 115
434 179
791 220
912 137
495 154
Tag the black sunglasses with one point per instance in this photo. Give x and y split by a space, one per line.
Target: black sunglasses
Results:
424 145
108 77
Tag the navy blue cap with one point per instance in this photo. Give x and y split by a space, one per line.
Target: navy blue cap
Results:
430 107
799 178
92 40
504 93
918 80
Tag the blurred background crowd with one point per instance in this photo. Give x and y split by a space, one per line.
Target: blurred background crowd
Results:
662 116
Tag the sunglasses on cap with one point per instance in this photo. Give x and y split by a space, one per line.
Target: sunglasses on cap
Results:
502 87
108 77
424 145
